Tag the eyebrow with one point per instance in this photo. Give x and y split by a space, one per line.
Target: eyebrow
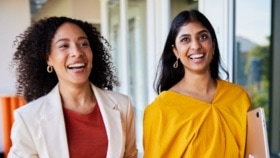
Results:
200 32
66 39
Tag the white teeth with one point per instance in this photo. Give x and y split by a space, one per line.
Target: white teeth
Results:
195 56
76 65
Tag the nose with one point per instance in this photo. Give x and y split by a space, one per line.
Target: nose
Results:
76 51
195 44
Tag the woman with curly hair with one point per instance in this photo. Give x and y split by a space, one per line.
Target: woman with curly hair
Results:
64 71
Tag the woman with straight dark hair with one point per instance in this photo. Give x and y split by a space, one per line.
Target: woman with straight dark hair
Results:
196 114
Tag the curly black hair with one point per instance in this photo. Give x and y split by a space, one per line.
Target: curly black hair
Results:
33 48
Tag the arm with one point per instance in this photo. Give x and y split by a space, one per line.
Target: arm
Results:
22 142
151 133
130 145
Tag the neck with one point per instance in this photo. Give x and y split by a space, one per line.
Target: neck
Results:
201 87
202 84
77 98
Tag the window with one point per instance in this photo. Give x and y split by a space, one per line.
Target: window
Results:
252 66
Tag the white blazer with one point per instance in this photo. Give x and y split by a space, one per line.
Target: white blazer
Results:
39 128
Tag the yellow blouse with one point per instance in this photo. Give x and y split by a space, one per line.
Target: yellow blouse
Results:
176 125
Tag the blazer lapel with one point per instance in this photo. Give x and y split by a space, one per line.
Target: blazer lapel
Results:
112 120
53 126
54 131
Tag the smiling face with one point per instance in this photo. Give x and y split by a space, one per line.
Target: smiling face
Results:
194 47
71 55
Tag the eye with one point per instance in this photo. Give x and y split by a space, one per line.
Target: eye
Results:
185 39
63 46
203 37
84 44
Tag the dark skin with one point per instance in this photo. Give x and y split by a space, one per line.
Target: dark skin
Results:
33 52
71 58
194 47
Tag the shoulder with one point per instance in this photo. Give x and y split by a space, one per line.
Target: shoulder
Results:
165 97
116 95
232 89
109 93
30 110
32 106
111 98
112 95
233 93
159 102
119 98
229 86
38 104
45 104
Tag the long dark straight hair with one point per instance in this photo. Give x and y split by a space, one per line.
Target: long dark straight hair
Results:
166 75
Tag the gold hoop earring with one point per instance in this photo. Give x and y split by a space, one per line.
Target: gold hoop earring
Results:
175 65
49 69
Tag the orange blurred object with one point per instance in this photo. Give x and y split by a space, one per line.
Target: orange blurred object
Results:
9 104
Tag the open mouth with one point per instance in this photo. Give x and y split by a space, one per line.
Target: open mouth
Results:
196 56
76 66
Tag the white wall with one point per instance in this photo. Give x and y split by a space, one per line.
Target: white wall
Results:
158 23
14 18
220 15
